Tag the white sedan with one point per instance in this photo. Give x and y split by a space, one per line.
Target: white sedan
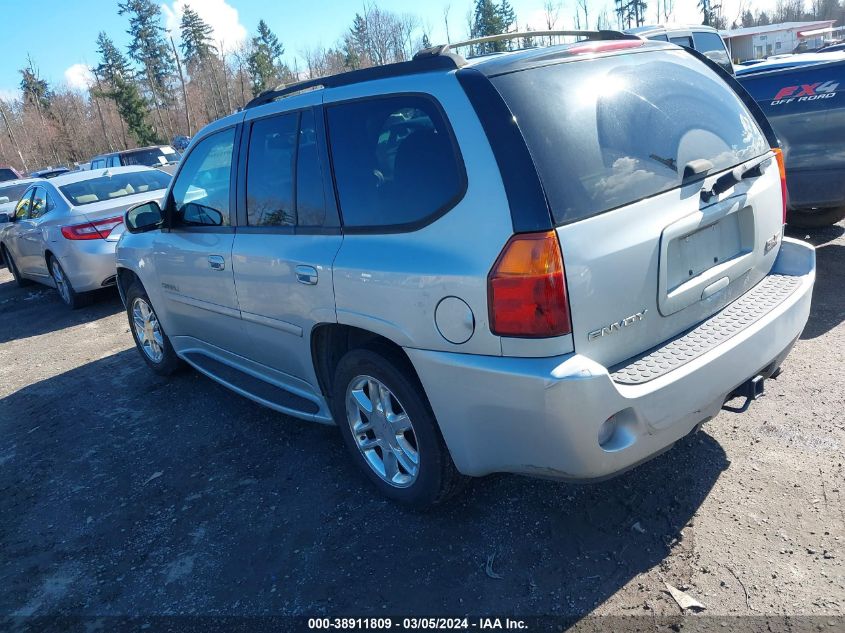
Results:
63 231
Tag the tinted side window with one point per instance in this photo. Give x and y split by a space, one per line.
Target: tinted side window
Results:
660 37
712 46
616 130
98 163
682 41
394 161
310 198
269 178
200 195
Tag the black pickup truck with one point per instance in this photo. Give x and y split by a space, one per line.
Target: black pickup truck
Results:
803 97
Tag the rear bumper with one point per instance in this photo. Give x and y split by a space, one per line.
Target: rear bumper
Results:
816 188
541 416
89 263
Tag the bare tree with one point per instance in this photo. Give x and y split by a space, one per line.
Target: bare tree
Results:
446 22
551 13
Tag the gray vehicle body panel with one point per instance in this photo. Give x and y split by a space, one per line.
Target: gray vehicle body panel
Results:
503 403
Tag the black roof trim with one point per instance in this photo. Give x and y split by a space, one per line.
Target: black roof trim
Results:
420 64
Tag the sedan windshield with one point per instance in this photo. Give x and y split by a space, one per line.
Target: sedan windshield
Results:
151 156
114 186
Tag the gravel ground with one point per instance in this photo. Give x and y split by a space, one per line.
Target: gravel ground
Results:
124 493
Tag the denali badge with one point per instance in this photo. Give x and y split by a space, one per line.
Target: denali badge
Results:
771 243
607 330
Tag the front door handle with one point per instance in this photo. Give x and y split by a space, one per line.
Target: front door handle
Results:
216 262
306 275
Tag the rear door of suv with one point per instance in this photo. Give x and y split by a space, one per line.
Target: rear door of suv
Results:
647 254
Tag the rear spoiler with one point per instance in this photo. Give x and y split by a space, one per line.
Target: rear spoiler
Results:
743 94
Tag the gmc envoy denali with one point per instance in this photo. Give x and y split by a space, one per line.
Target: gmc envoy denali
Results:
556 261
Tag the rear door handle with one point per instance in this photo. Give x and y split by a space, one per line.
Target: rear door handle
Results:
306 275
216 262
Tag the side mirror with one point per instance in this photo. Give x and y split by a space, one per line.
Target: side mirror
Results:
143 217
5 218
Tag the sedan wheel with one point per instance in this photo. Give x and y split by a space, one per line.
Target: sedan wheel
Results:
147 330
62 284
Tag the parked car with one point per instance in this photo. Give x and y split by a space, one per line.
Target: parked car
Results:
63 231
7 172
162 157
704 39
804 99
49 172
430 256
181 142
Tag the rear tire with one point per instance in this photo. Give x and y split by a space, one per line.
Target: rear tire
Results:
22 282
70 297
814 219
411 466
152 343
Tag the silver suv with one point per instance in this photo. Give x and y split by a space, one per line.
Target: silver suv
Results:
555 262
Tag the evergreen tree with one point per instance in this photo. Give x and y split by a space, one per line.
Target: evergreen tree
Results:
528 41
122 89
508 18
148 46
35 90
262 62
747 19
426 42
507 15
360 36
197 45
487 20
763 19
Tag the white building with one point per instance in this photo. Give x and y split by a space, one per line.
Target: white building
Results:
758 42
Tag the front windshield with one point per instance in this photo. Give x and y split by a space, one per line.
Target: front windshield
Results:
12 193
151 156
114 186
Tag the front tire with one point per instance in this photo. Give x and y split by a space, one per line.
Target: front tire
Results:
390 430
148 333
64 287
21 281
816 218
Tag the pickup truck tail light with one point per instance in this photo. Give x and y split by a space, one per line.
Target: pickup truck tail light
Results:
782 169
98 230
526 289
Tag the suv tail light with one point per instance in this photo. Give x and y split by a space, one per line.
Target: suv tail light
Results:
782 169
98 230
526 288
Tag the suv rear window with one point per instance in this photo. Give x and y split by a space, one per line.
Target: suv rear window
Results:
395 161
611 131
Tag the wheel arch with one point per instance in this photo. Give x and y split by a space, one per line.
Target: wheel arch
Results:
125 278
330 341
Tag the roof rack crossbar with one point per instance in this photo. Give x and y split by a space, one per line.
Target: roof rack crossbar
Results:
590 35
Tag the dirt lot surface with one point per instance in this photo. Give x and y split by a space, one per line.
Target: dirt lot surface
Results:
125 493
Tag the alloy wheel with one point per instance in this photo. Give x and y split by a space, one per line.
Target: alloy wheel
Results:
383 431
61 281
148 330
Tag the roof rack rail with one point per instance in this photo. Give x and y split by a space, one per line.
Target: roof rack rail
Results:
590 35
419 64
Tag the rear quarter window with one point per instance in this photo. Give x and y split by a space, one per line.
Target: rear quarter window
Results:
608 132
395 162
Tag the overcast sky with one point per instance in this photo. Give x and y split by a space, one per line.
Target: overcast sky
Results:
62 40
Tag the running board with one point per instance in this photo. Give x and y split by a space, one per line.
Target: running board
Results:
261 391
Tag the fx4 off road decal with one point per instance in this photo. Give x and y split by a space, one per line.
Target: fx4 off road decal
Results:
806 92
